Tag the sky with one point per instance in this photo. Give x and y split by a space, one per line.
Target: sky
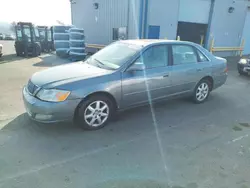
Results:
39 12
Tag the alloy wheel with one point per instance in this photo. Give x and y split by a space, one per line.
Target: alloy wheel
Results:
202 92
96 113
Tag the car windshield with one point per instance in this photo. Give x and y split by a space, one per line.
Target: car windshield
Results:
42 34
114 55
49 35
19 34
27 34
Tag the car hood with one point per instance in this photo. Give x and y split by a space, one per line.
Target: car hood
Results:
66 73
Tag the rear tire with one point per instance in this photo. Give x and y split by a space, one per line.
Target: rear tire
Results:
95 112
202 91
18 53
38 50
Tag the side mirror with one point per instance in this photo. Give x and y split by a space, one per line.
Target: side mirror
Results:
138 66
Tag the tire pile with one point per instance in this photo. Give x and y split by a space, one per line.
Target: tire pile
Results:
76 44
61 40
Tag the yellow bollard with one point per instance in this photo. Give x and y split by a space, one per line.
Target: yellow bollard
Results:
212 45
178 38
242 47
202 39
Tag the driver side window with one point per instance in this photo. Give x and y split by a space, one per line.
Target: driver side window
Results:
155 56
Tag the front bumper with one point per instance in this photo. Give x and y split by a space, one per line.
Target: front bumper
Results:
244 67
49 112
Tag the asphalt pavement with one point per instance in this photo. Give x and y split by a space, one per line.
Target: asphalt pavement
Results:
174 144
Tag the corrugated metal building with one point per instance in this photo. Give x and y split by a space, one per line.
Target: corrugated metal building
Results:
105 21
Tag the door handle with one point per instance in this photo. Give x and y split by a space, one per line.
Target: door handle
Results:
199 70
166 75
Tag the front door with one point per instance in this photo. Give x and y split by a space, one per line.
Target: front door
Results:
152 83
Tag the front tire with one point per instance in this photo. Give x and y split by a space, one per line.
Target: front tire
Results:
95 112
202 91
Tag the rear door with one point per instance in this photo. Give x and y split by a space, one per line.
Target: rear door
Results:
204 65
184 68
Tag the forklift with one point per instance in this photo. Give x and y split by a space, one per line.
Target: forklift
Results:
27 40
46 38
51 43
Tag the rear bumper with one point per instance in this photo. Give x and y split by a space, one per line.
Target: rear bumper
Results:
220 80
49 112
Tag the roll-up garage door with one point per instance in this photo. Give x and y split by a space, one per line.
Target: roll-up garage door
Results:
195 11
193 20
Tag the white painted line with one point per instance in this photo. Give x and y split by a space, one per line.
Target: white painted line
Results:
238 139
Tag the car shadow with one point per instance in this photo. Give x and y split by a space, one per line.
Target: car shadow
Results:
164 114
129 119
24 122
9 58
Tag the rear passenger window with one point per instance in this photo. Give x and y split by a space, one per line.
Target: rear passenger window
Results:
202 58
183 54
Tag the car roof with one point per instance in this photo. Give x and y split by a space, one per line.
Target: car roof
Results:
146 42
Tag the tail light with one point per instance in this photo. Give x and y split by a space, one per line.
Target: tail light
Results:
226 69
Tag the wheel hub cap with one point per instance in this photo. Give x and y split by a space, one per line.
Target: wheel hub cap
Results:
202 92
96 113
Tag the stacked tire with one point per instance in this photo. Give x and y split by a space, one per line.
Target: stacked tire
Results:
77 44
61 40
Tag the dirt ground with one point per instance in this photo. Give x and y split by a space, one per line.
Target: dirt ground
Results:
188 146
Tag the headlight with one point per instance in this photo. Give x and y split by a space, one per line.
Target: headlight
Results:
243 61
52 95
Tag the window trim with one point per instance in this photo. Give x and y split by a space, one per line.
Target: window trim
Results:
195 51
144 50
208 60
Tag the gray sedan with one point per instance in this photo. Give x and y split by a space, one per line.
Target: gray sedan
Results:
125 74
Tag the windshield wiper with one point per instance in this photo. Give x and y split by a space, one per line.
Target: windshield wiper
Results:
98 65
99 62
104 64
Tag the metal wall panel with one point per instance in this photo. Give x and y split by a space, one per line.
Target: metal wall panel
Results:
227 27
133 25
246 33
164 13
99 23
